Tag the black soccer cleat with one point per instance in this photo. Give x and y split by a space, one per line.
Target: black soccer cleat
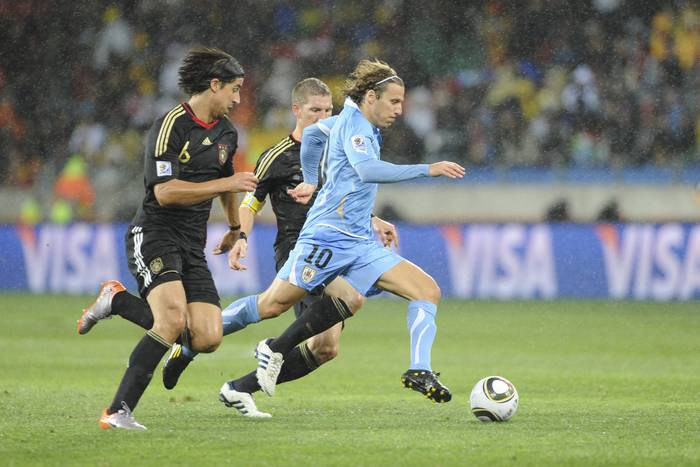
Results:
426 382
174 366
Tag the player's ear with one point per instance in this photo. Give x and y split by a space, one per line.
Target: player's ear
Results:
371 96
296 108
215 84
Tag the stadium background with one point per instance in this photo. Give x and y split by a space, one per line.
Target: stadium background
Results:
579 124
583 114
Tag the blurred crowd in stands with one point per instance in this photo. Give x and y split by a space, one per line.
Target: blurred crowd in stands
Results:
502 83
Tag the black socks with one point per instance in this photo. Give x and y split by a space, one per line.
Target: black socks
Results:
322 315
132 308
298 363
142 362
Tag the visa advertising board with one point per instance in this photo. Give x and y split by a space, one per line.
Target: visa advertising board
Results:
477 261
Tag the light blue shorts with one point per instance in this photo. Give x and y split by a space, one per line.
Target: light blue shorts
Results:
327 254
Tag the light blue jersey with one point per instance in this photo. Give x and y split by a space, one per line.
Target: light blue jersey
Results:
313 149
337 237
345 202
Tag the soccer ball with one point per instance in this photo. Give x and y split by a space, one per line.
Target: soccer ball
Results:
494 399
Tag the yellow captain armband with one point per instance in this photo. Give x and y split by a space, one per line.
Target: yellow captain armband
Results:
252 203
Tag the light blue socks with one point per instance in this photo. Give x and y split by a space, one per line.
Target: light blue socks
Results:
240 314
421 327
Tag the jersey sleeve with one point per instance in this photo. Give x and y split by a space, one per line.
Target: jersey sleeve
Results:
359 144
227 169
313 140
165 143
264 169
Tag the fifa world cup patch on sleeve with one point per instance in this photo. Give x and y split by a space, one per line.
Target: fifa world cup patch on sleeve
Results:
164 168
358 143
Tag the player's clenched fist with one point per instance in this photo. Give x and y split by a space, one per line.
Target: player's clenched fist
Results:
446 169
302 193
242 182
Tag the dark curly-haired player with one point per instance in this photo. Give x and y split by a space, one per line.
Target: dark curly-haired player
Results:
188 162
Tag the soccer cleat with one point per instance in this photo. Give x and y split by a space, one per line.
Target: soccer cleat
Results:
269 366
241 401
120 419
426 382
101 308
174 366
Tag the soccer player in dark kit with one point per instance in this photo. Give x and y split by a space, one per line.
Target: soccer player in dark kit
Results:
188 162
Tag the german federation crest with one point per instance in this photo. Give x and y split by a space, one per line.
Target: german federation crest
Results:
307 274
223 153
156 265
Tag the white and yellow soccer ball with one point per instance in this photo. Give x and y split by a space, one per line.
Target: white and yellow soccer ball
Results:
494 399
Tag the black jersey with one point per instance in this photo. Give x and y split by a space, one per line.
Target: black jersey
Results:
181 146
279 169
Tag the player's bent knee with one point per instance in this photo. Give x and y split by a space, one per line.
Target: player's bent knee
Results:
323 348
325 353
426 289
171 322
206 346
354 301
433 294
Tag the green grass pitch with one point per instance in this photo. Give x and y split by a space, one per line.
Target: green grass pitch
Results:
600 383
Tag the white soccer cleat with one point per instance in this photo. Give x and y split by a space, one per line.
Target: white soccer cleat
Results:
241 401
121 419
101 308
269 366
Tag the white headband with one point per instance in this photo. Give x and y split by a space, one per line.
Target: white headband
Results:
386 79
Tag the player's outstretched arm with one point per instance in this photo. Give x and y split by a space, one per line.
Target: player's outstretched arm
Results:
176 192
378 171
446 169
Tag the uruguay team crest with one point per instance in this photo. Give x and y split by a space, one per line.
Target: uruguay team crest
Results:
223 153
307 274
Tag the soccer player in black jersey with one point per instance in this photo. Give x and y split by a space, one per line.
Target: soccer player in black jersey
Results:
188 162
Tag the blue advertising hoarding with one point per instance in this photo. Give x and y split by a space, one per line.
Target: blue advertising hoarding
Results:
478 261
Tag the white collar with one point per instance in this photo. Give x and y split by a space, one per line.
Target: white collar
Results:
350 103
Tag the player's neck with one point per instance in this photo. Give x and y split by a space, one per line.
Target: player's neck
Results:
368 115
296 134
201 108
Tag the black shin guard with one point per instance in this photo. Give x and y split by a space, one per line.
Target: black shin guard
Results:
132 308
297 364
143 360
320 316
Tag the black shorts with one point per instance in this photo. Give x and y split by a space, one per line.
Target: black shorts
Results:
155 257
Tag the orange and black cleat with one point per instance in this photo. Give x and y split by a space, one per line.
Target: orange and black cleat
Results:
101 308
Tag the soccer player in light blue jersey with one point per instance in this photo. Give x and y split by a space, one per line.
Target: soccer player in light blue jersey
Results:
337 237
